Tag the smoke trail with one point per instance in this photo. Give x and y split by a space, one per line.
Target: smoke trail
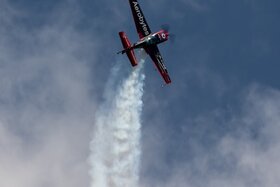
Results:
115 147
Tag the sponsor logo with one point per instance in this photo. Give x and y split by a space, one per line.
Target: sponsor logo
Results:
160 61
141 18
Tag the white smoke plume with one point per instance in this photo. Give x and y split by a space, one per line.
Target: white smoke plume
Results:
115 147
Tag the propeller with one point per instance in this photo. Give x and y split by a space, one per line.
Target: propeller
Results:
165 27
172 36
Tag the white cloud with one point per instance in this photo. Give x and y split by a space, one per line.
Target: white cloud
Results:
45 103
46 116
246 155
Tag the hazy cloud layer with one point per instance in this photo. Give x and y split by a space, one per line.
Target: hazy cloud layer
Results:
45 105
213 127
247 155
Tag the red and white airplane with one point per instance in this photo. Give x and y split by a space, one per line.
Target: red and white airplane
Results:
148 41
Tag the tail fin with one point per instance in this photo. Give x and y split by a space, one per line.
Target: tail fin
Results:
128 49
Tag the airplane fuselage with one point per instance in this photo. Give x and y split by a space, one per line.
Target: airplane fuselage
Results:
152 39
148 41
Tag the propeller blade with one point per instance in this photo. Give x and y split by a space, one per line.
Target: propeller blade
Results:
165 27
172 37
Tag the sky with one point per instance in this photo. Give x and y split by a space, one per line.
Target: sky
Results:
216 125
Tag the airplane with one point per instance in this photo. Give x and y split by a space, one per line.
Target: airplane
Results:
148 41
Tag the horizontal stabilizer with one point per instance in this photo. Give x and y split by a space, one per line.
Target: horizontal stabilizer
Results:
127 49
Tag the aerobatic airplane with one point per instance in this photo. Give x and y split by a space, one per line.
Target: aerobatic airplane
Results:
148 41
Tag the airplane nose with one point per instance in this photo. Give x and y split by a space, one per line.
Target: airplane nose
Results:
167 34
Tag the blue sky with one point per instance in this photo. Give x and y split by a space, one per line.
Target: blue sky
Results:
215 125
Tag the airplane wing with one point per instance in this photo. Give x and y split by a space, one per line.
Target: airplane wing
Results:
139 19
158 60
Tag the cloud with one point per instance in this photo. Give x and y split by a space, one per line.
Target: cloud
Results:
50 84
46 101
245 153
